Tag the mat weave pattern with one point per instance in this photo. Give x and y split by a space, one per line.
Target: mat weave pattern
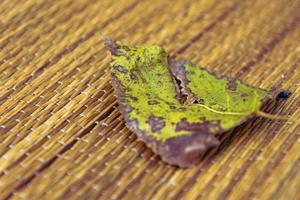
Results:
62 135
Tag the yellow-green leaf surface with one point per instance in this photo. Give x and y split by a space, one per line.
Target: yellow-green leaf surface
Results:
155 98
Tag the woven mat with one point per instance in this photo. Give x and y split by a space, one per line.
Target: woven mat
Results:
62 135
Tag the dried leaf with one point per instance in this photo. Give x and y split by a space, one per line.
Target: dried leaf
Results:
177 108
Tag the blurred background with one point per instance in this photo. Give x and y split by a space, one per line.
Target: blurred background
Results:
62 135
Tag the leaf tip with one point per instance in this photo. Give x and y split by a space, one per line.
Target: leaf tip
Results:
110 44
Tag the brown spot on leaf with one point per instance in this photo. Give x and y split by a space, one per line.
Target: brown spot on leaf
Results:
120 68
232 84
183 124
153 102
112 46
199 101
172 107
133 76
182 109
134 98
156 123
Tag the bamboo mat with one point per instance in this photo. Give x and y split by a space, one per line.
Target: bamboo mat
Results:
62 135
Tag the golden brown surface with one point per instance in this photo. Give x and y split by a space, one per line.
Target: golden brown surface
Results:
62 136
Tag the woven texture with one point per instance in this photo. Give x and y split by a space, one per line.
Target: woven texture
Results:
62 135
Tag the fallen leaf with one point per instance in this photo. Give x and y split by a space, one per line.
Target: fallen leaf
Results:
178 109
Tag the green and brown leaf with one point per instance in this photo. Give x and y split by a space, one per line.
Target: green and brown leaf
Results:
177 108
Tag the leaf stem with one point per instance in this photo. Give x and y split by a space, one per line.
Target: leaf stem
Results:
275 117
